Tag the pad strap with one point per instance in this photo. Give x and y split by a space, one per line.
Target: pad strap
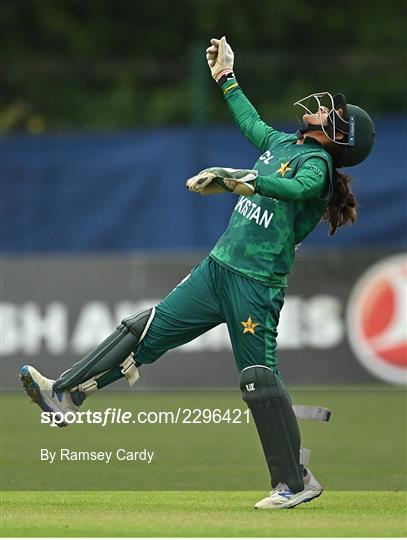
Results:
305 456
308 412
130 370
88 387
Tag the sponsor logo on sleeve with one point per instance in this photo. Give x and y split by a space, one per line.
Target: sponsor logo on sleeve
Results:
314 168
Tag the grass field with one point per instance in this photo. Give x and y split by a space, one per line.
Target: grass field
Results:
204 479
199 514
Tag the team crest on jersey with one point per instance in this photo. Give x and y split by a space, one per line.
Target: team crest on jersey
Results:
249 326
284 168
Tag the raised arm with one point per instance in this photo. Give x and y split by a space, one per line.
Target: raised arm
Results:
220 59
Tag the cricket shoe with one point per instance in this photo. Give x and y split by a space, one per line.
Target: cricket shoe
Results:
41 391
282 496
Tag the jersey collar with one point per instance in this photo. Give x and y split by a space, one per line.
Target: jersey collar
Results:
311 141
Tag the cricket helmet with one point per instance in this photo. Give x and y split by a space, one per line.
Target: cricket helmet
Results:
354 123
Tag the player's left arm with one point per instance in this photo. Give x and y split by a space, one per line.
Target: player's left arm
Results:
308 183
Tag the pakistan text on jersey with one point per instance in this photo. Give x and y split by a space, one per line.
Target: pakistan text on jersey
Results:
253 211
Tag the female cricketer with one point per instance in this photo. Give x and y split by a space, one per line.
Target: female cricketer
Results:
292 187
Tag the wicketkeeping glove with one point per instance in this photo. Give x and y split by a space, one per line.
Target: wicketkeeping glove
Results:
220 57
223 179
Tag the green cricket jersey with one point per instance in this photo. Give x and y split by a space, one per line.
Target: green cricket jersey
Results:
292 192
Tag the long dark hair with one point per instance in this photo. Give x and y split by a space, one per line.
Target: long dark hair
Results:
341 209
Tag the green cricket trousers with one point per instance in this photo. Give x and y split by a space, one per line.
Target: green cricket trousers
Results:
210 295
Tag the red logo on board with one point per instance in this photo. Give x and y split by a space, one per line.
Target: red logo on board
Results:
377 319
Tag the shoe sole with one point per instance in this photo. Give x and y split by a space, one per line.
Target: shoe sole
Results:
33 391
305 500
287 505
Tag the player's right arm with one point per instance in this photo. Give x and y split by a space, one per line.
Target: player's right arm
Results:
308 183
220 59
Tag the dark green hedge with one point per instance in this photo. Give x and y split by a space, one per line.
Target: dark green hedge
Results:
105 64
